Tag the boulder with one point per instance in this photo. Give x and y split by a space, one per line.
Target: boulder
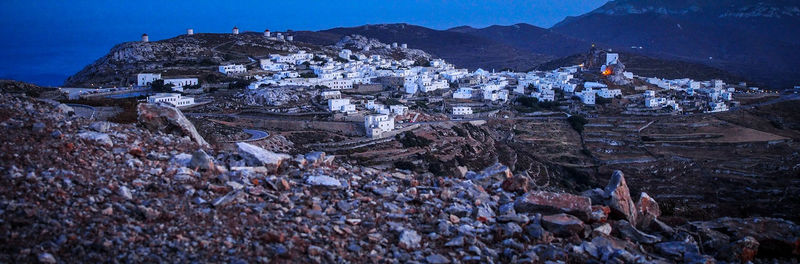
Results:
647 210
99 138
563 225
409 239
597 196
167 118
201 161
619 198
553 203
257 156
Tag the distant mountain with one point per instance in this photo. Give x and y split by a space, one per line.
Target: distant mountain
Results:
529 38
755 39
653 67
464 49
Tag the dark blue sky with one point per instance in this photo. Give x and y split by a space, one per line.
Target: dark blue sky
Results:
46 41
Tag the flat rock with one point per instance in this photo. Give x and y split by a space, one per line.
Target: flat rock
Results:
325 181
437 259
553 203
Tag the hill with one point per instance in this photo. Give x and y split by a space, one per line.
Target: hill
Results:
752 39
195 55
529 38
462 49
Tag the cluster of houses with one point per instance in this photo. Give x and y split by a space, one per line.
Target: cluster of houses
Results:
716 93
435 79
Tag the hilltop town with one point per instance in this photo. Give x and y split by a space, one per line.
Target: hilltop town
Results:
260 147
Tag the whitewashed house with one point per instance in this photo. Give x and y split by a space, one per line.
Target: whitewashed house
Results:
341 105
463 93
717 107
232 69
462 110
146 79
545 95
398 109
172 98
609 93
376 125
331 94
587 97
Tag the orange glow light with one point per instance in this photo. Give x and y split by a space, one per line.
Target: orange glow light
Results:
607 71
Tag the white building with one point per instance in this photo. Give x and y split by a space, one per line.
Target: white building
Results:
268 65
331 94
587 97
606 93
463 93
375 125
717 107
398 109
341 105
232 69
462 110
654 102
171 98
179 83
146 79
545 95
338 84
612 58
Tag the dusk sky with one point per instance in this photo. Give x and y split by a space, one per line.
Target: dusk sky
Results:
46 41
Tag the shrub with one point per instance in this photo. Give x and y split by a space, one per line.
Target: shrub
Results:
159 86
577 122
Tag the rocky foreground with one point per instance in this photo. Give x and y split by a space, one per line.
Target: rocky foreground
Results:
74 190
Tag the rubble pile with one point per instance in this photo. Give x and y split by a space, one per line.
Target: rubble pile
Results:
74 190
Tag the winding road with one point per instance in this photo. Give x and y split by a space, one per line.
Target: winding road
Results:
255 135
